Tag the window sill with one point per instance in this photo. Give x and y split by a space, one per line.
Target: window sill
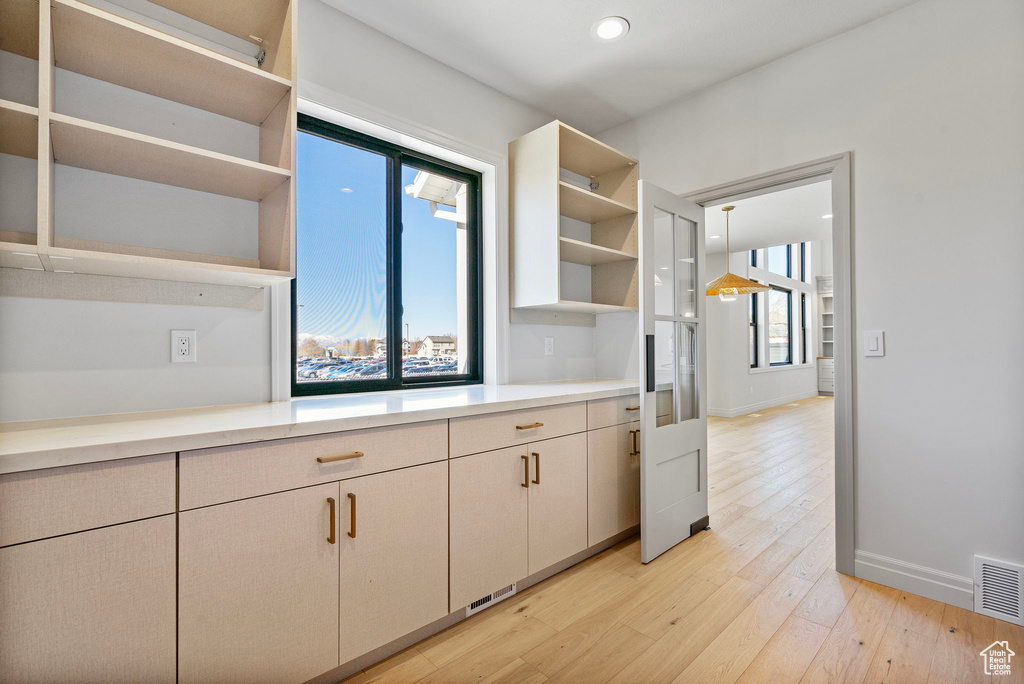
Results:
772 369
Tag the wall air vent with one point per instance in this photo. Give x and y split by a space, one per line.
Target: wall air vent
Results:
999 589
490 599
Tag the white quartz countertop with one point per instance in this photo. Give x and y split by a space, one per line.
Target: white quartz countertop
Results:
51 443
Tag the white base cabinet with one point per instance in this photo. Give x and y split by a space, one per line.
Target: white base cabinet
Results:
96 606
613 481
258 589
510 518
394 570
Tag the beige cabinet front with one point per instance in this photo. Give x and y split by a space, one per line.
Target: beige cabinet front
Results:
258 588
95 606
558 500
613 481
488 522
393 540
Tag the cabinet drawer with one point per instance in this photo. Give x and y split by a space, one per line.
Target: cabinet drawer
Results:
220 474
614 411
474 434
827 373
826 386
47 503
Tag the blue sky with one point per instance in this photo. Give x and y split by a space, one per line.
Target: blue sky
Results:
341 250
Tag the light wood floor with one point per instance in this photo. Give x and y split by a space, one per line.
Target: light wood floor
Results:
755 599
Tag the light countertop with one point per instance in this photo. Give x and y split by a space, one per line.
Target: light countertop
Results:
51 443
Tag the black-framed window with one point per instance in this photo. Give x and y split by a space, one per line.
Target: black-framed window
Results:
804 313
387 293
754 317
753 258
804 272
780 260
780 326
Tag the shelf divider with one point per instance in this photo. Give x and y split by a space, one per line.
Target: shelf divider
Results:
103 45
98 147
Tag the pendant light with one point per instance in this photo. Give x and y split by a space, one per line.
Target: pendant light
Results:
729 286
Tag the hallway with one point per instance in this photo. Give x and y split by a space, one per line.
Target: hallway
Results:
755 599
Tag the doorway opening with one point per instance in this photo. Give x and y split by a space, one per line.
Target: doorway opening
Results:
779 381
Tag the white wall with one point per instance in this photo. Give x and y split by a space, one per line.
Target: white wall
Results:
930 100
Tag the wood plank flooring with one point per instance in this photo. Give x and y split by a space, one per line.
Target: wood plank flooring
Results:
753 600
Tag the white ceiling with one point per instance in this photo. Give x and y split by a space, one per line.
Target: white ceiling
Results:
540 51
778 218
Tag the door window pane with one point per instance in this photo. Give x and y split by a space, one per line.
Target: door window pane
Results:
341 258
779 261
675 373
664 264
780 323
434 274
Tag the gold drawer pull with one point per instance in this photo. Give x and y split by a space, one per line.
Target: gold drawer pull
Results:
352 509
632 408
333 538
526 471
537 456
530 426
342 457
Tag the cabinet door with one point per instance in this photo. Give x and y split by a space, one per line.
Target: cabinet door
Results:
394 571
558 499
258 589
94 606
488 523
613 482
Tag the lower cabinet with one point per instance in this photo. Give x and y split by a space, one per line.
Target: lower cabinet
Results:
95 606
515 511
393 540
258 588
613 477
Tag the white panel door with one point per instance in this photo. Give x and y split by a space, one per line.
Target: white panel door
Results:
673 462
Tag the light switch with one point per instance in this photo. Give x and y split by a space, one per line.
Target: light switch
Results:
874 343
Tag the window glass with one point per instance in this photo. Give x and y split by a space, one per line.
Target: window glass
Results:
779 260
780 322
341 289
435 287
753 330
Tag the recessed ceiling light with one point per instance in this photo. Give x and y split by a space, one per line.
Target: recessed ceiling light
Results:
609 28
827 216
715 237
346 190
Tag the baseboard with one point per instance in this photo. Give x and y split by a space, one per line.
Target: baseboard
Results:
916 579
378 654
750 408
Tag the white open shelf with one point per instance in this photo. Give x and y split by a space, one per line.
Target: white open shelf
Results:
588 254
589 207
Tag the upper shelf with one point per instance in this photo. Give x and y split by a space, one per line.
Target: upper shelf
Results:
577 203
19 29
587 156
102 45
577 252
106 149
18 129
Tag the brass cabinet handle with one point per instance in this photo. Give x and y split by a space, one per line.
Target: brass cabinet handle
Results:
352 508
530 426
526 471
332 538
537 456
632 408
636 442
342 457
632 435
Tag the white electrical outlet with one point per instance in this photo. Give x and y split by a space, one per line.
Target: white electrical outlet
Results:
183 346
549 346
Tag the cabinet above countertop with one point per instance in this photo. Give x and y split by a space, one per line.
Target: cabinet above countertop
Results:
51 443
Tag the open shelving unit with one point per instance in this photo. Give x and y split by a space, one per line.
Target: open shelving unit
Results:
827 324
574 223
164 71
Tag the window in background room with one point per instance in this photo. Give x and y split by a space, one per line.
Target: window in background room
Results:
753 329
804 313
805 272
387 286
780 326
780 260
753 258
